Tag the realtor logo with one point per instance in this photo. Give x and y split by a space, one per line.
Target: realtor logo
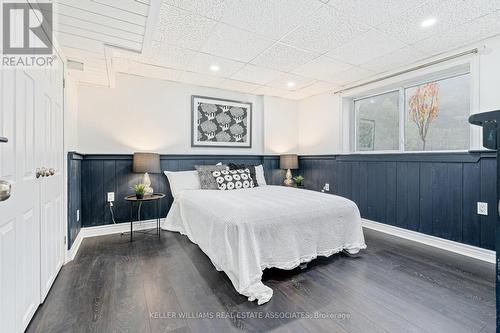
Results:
27 34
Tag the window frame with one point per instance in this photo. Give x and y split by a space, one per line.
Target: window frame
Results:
468 67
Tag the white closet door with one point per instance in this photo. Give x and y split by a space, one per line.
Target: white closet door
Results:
51 146
19 215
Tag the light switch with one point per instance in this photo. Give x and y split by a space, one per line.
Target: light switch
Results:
77 215
111 196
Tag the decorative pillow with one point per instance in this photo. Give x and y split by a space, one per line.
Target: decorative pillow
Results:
233 166
233 179
207 181
259 174
182 180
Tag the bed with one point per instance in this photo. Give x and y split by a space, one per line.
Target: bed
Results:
246 231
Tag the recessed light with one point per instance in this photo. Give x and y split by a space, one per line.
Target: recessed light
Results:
428 22
290 84
214 68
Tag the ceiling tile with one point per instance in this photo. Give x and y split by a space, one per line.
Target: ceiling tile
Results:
473 31
179 27
297 80
236 44
241 86
326 30
449 14
271 91
283 58
200 79
352 75
374 12
270 18
298 95
201 64
169 55
318 87
255 74
404 56
368 46
213 9
322 68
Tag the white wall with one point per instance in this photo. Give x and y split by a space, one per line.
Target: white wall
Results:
320 117
71 116
280 126
143 114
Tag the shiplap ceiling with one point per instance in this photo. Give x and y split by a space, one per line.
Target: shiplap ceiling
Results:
292 49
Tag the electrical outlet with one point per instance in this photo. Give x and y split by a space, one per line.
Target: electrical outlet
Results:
482 208
77 215
327 187
111 196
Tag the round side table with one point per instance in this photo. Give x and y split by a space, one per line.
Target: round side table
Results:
154 197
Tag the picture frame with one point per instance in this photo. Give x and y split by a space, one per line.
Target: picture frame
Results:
220 123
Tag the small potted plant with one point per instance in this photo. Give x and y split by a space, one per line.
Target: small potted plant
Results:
139 190
299 180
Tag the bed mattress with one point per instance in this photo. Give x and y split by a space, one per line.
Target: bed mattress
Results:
246 231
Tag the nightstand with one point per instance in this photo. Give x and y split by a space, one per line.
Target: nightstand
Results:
154 197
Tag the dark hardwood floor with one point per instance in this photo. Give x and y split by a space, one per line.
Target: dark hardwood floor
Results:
171 286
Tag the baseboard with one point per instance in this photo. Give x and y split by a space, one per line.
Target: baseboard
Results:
444 244
107 229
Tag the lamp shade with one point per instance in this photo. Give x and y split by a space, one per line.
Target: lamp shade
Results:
289 161
146 162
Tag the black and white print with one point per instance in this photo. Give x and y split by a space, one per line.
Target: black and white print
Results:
233 179
221 123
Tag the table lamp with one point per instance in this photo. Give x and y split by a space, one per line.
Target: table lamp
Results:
147 163
288 162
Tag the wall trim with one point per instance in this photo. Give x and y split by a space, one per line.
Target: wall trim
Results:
441 243
108 229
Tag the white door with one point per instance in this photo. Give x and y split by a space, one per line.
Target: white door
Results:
51 187
20 214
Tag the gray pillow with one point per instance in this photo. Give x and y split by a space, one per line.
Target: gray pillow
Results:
207 180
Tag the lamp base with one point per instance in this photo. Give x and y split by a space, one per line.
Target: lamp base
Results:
288 179
148 190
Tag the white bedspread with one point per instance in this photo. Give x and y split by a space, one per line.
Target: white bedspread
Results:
245 231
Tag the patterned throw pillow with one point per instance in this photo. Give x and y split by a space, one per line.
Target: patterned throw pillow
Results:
207 181
233 179
233 166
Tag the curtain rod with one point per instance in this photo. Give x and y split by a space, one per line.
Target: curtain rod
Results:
435 62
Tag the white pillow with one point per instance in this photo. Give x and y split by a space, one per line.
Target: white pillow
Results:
259 175
183 180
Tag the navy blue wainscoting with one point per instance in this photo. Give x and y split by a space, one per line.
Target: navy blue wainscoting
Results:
432 193
101 174
74 195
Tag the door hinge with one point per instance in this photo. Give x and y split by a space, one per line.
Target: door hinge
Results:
64 240
64 83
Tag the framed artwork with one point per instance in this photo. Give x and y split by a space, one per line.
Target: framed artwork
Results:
220 123
366 134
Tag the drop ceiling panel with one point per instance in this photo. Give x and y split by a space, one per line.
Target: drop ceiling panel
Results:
322 68
240 86
298 81
448 13
271 91
213 9
283 58
182 28
326 30
202 62
255 74
374 12
201 79
352 75
170 55
236 44
270 18
369 45
394 60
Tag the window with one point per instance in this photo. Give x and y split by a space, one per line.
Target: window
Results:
377 120
428 116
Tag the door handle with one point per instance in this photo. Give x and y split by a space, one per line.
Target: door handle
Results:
3 139
5 189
